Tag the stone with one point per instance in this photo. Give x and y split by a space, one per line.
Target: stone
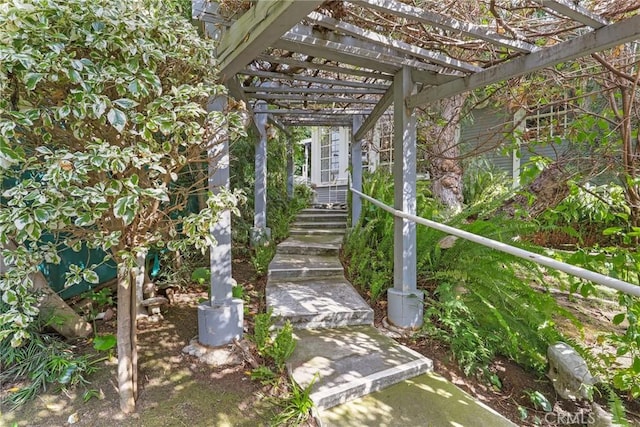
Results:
568 372
600 418
215 356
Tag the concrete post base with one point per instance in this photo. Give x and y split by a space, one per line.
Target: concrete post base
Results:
405 309
259 236
221 322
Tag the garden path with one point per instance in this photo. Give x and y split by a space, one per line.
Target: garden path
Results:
357 374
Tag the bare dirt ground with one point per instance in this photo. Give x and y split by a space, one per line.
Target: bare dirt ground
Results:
179 390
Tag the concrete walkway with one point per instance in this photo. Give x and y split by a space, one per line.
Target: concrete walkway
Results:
358 376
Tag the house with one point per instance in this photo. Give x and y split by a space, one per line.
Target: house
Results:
509 140
506 140
330 164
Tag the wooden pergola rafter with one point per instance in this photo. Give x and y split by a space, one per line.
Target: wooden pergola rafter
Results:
297 49
317 63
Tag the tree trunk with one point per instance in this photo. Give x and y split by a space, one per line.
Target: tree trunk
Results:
66 322
548 189
630 151
440 136
126 340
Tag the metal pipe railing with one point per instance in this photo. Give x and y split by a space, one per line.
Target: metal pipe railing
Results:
598 278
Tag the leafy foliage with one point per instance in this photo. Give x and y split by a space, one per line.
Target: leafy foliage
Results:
102 112
278 346
281 210
482 182
44 361
626 378
487 298
369 248
296 406
480 301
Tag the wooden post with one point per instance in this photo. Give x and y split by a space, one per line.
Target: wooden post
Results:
260 233
290 183
356 171
220 319
405 301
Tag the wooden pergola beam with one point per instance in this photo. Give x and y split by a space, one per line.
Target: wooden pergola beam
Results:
315 100
317 121
301 90
257 29
380 108
575 12
319 51
308 79
325 67
388 42
595 41
318 113
350 49
432 78
413 13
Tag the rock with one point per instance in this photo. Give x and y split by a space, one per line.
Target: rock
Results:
108 314
600 418
569 372
447 242
73 418
216 356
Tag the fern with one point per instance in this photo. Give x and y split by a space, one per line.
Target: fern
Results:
495 289
261 334
616 407
282 346
482 303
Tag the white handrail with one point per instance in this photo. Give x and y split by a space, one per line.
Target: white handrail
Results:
601 279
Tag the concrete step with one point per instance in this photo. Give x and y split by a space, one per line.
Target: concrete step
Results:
350 362
317 303
290 266
322 244
322 217
426 400
295 231
323 211
320 225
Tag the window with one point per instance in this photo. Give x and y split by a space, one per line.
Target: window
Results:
547 124
329 154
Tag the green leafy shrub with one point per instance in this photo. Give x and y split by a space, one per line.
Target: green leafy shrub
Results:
593 209
369 247
103 106
488 297
479 300
627 378
483 182
277 346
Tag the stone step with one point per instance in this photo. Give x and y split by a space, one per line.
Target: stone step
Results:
426 400
320 225
323 211
290 266
322 244
316 232
317 303
347 363
324 217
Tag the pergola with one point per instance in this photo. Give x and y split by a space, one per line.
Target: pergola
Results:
335 63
